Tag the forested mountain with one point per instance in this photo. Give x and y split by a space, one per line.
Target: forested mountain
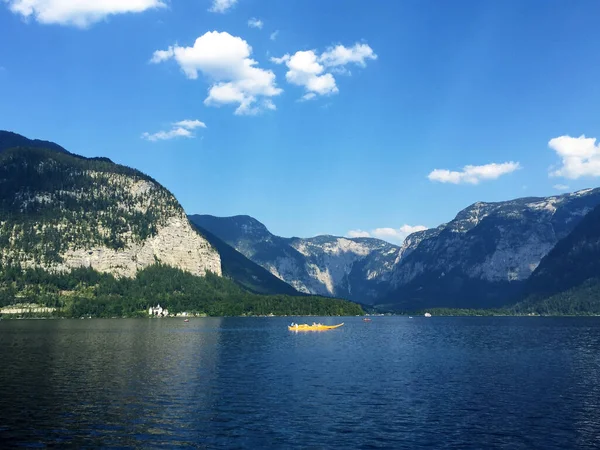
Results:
356 269
60 211
248 274
568 278
87 292
85 236
8 139
482 258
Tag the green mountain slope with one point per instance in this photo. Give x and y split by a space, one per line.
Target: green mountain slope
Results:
86 292
8 139
251 276
59 211
567 280
484 256
89 237
352 268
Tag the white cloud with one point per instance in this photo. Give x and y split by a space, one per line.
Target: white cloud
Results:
305 70
166 135
190 124
358 234
314 72
183 128
79 13
273 35
284 58
222 6
580 156
225 60
474 174
268 104
395 235
162 55
561 187
341 56
255 23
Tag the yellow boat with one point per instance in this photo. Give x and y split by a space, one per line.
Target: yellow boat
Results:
313 327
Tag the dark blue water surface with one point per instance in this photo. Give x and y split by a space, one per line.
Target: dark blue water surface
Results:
394 382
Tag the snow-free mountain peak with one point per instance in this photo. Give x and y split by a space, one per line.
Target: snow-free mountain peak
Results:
351 268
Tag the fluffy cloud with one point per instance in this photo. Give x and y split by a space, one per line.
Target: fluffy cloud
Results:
305 70
561 187
580 157
341 56
221 6
273 35
255 23
183 128
80 13
190 124
314 72
225 60
395 235
358 233
284 58
474 174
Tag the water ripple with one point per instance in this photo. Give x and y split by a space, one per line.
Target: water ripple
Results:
455 383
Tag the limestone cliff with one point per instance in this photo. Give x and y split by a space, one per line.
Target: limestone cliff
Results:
59 211
356 269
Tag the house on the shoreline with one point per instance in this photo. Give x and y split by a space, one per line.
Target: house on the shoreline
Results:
157 311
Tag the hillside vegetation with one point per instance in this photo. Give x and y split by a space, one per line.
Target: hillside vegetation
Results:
85 292
246 273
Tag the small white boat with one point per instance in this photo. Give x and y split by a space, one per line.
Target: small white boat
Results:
427 315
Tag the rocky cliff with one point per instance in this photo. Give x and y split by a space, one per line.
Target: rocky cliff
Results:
483 256
574 260
59 211
325 265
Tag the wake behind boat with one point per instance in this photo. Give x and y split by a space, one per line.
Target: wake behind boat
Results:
313 327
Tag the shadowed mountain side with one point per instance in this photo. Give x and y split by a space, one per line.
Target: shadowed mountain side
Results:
251 276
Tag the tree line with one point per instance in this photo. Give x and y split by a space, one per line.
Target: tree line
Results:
86 292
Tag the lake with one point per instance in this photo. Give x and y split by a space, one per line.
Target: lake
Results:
395 382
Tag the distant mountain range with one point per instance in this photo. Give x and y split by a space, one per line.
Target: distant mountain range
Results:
567 280
248 274
481 259
357 269
61 212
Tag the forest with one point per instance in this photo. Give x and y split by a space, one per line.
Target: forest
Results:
86 292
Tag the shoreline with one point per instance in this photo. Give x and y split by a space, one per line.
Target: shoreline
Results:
50 317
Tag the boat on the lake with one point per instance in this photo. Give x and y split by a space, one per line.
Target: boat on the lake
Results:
186 320
427 314
313 327
366 319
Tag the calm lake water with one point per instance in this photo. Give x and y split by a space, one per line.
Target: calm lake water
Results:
394 382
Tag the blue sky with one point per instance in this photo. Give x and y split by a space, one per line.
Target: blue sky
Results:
333 116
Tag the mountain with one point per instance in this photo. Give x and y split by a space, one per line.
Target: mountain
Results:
355 268
246 273
86 237
60 211
482 258
8 139
567 280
